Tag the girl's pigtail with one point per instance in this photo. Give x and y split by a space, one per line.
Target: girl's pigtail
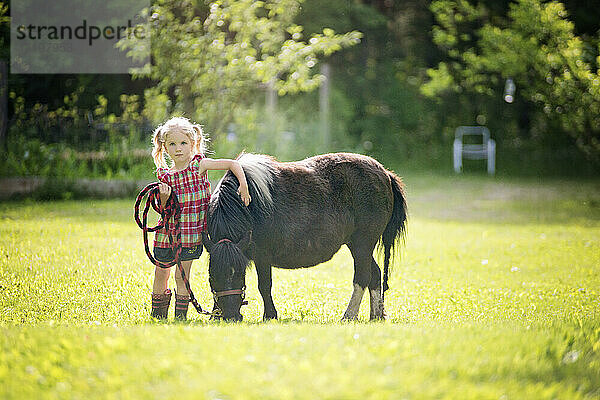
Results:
200 147
158 141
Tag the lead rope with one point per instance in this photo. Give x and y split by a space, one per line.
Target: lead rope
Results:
171 209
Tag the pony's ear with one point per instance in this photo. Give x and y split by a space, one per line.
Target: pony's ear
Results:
245 242
207 242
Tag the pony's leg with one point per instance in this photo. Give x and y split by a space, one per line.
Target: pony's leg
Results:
354 303
377 310
362 277
264 287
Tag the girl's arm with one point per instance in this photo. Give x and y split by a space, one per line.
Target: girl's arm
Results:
235 167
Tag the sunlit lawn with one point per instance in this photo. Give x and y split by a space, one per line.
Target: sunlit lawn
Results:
496 295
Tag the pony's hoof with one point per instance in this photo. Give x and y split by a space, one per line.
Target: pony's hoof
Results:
380 316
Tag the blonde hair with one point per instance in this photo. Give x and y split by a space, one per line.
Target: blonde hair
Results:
178 124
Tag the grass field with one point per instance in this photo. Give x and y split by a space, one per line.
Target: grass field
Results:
496 295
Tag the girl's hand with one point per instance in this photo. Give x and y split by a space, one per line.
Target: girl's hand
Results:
244 194
165 192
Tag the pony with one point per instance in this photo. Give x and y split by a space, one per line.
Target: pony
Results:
301 214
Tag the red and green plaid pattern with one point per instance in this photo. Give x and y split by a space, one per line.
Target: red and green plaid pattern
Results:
193 193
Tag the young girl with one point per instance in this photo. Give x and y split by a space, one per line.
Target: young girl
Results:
187 177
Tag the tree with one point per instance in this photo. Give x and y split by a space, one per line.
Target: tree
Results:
209 60
4 20
554 69
378 103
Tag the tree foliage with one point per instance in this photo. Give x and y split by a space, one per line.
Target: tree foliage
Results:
210 59
4 27
555 70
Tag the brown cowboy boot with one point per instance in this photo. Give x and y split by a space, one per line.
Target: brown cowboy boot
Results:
160 304
181 306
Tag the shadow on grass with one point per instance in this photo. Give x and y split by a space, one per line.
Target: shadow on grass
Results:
195 322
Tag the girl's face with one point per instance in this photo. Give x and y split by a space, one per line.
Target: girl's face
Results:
179 147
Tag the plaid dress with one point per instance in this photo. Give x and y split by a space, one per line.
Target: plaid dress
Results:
193 193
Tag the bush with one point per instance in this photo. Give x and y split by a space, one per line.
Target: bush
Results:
119 159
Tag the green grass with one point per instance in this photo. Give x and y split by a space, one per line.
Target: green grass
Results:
495 295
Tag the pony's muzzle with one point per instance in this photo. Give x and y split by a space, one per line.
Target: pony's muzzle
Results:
229 302
230 306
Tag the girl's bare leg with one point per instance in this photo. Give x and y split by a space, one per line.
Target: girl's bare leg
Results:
181 289
161 280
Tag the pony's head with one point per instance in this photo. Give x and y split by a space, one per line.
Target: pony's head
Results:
227 273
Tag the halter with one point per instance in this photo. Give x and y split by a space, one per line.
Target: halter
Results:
231 292
171 210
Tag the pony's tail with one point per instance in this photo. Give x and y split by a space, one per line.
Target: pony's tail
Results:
396 227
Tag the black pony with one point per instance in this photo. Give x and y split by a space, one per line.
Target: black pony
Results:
300 215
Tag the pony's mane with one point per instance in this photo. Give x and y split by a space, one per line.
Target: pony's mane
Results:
232 258
259 170
229 218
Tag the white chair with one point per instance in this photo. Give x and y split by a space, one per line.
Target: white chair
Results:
484 150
